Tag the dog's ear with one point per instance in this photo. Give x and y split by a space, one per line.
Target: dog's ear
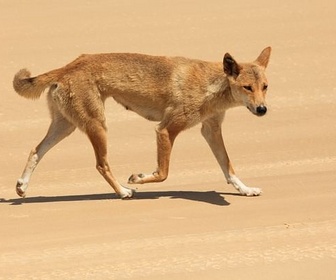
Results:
231 67
263 58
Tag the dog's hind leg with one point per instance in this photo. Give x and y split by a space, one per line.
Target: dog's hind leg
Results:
165 140
96 132
212 132
58 130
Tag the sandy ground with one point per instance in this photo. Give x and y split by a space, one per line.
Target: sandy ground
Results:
194 225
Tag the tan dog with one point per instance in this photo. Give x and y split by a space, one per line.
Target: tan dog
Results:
176 92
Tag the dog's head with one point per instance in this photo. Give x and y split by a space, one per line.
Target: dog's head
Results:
248 81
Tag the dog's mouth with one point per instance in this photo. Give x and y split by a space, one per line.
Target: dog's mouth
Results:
258 111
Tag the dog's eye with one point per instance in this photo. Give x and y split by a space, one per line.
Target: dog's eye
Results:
265 87
249 88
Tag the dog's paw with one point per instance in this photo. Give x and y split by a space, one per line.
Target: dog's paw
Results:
243 189
126 193
136 179
21 188
251 191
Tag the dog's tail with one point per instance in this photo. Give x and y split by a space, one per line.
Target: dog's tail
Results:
32 87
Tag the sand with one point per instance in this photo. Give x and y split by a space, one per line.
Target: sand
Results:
193 225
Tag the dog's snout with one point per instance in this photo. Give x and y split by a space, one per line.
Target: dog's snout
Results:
261 110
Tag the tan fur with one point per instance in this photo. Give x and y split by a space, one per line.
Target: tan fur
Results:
176 92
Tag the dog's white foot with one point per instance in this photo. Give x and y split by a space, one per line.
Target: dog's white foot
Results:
244 190
21 188
126 193
250 191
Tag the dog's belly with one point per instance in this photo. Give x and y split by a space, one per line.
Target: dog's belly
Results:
149 114
149 110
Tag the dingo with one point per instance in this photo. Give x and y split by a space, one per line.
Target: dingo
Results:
176 92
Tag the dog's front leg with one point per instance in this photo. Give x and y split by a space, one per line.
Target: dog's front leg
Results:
212 132
165 138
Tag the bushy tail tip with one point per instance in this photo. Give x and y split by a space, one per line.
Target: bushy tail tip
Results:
25 86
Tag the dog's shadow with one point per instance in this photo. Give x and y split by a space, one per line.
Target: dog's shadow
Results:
210 197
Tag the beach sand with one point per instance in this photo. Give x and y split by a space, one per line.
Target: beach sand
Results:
193 225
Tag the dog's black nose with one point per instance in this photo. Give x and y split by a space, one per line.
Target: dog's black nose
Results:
261 110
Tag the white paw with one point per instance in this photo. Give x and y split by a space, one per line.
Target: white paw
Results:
244 190
21 188
250 191
126 193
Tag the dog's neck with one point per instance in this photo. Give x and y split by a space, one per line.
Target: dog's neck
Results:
219 94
